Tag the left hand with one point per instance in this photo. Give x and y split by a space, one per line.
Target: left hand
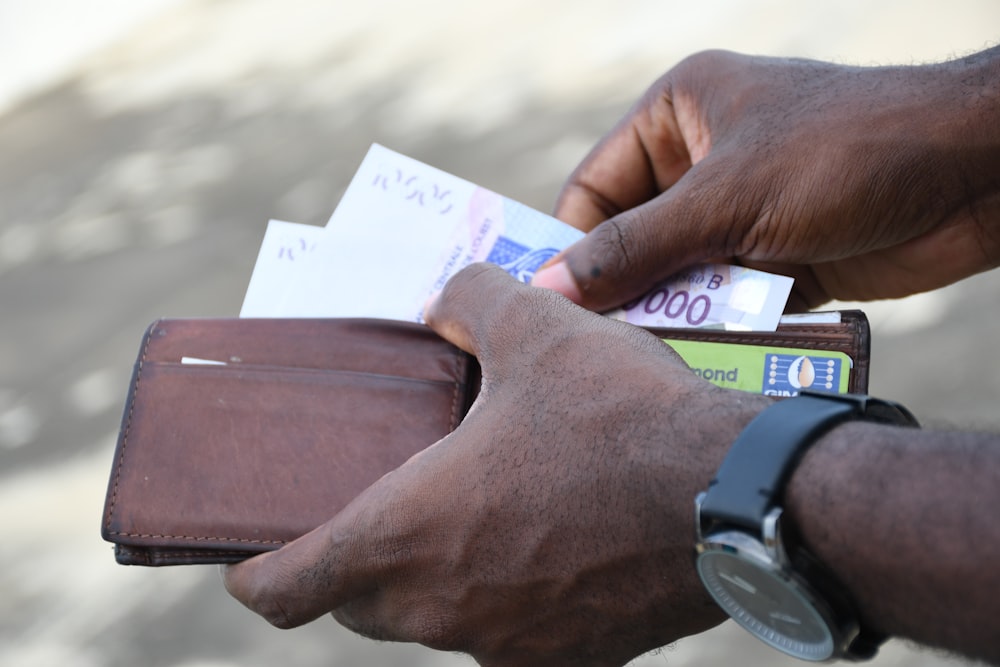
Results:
554 526
859 182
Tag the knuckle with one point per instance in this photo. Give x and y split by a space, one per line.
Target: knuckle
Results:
277 616
696 68
507 298
618 243
272 608
616 252
287 596
465 290
472 279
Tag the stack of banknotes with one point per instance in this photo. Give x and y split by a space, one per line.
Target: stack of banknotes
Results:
403 228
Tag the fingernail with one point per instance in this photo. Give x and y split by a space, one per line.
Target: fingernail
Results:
558 278
554 259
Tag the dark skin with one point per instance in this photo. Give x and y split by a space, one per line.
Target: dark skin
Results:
555 525
900 516
531 534
861 183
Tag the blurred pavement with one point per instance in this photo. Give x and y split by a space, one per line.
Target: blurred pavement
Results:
140 164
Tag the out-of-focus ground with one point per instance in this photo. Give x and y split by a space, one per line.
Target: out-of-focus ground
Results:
143 148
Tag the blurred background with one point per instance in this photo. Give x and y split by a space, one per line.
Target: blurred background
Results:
144 146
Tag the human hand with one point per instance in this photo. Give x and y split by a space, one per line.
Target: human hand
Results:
860 183
554 526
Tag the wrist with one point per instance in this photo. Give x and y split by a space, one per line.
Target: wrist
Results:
972 97
897 516
852 502
750 557
947 117
825 500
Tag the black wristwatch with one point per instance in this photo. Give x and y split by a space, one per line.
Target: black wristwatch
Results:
766 582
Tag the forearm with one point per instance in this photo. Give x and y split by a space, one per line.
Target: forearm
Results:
970 114
931 137
965 128
909 522
949 111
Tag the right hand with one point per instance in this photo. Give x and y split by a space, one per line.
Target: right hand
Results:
554 526
860 183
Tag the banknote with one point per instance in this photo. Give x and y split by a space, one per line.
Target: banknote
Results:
276 285
403 228
712 295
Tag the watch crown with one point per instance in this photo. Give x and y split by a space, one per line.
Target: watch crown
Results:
699 499
771 534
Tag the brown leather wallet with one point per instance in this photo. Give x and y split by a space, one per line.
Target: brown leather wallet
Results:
240 435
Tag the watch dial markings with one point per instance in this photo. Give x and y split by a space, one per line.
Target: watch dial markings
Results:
737 580
785 618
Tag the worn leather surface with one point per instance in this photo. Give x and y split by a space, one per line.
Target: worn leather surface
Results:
215 463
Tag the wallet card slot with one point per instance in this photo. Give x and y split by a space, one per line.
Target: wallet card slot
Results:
402 349
249 460
202 369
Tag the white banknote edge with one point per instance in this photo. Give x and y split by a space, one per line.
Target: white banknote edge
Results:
388 240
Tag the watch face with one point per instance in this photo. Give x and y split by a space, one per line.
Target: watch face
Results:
759 598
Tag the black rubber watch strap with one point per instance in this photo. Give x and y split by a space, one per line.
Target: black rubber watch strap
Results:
753 475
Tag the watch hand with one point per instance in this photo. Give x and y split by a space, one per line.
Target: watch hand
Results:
786 618
736 580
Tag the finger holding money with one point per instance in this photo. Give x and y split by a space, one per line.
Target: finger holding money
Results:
859 182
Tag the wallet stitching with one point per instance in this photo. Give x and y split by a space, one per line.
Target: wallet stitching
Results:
164 556
128 425
197 538
121 459
832 345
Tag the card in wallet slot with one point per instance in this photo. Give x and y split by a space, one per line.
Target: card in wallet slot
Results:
832 356
274 425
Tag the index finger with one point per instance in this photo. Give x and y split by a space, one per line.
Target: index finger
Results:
643 155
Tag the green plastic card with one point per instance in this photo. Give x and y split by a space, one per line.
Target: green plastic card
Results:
774 371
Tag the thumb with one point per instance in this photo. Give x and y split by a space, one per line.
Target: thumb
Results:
482 306
625 256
